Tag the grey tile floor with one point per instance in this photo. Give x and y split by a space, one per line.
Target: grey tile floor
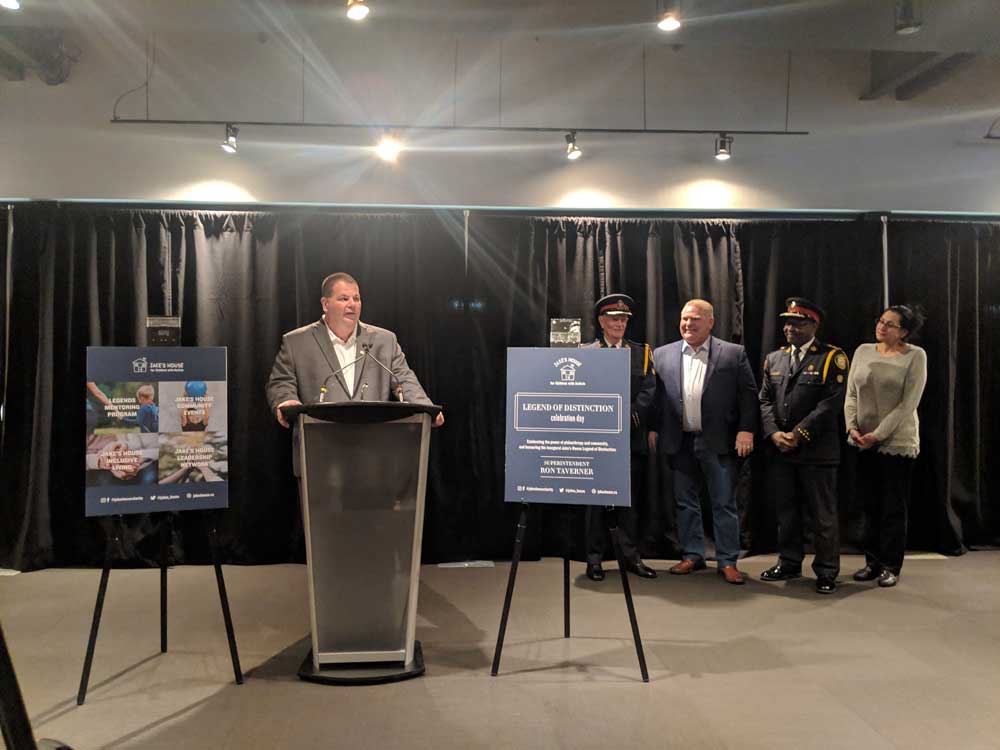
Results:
761 666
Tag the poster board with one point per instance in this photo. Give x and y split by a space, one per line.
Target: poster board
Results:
568 426
157 436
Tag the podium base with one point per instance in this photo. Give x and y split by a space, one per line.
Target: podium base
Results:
363 674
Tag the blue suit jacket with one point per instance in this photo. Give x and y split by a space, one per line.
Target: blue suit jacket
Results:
728 401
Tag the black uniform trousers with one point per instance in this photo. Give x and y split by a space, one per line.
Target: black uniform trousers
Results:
798 488
884 482
599 540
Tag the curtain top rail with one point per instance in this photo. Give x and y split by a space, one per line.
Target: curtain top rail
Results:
528 212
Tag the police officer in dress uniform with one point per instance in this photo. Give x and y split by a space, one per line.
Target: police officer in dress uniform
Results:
613 313
801 399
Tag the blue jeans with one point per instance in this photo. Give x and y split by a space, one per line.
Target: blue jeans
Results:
693 463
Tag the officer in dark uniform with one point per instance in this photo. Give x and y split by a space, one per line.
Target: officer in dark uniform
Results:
613 313
801 400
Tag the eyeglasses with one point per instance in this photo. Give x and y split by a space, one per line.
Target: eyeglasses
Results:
887 323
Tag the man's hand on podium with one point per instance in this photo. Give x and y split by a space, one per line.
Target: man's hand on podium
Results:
281 417
439 419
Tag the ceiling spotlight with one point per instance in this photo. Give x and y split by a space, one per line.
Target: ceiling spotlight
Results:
229 145
670 19
573 151
908 17
669 22
723 147
357 10
388 148
10 4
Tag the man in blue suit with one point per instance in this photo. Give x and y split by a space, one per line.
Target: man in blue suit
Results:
706 410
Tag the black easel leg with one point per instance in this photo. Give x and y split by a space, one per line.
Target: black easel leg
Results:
95 625
224 601
565 597
522 525
14 721
164 546
612 517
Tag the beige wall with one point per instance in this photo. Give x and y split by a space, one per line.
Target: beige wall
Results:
927 154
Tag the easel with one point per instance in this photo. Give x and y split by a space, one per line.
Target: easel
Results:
165 533
611 515
15 727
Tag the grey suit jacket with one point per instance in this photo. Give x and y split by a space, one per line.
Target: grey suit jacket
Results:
307 362
728 400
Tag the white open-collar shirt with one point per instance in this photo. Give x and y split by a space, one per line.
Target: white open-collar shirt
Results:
347 352
695 365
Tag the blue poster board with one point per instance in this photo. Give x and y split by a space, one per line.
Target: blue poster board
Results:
157 429
568 422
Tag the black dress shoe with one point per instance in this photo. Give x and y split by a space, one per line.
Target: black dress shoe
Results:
887 578
780 573
640 569
595 572
826 585
868 573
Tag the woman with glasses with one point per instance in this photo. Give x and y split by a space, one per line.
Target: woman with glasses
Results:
884 386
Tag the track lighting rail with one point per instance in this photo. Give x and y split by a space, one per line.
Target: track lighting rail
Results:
453 128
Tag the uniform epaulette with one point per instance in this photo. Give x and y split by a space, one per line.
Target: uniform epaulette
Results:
836 355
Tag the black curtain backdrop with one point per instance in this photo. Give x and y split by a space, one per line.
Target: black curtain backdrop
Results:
89 274
953 269
838 265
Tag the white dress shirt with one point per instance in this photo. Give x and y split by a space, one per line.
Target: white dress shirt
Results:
347 352
695 364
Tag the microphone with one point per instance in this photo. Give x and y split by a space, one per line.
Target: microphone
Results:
335 373
394 385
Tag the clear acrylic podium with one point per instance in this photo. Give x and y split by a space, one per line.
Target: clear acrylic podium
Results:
362 479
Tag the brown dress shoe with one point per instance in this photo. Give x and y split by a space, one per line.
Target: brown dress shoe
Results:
732 575
687 566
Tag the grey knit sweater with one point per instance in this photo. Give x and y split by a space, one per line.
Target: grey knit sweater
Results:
882 397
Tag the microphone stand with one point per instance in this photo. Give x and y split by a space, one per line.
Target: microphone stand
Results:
397 389
335 373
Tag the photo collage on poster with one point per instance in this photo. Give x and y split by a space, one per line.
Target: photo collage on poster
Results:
157 440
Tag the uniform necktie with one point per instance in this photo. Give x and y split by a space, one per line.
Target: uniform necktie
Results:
796 358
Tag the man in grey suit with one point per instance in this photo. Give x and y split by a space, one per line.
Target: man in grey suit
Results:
326 360
706 410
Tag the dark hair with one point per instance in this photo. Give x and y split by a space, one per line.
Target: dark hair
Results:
911 318
333 278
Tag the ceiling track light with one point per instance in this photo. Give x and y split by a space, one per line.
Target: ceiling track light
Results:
670 18
573 152
388 148
229 144
908 17
10 4
357 10
723 147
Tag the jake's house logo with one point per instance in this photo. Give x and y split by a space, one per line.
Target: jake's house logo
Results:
567 368
140 366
